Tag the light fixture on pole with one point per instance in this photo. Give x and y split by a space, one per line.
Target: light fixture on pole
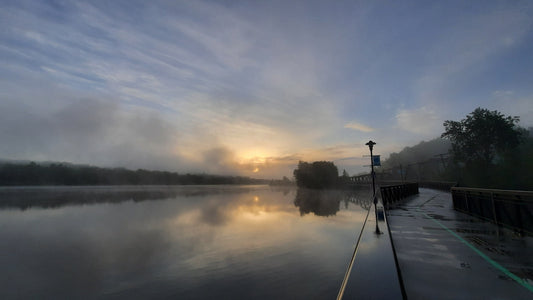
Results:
370 145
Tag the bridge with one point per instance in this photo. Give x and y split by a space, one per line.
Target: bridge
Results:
453 243
367 178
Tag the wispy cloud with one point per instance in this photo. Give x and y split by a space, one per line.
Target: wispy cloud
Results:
234 87
465 49
512 104
422 121
358 126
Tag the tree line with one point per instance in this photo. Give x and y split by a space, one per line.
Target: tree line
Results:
486 149
12 174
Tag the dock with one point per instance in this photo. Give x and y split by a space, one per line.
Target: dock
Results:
427 250
446 254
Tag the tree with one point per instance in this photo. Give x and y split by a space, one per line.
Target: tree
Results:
482 136
317 175
345 174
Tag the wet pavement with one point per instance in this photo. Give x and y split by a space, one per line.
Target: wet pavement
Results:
373 273
445 254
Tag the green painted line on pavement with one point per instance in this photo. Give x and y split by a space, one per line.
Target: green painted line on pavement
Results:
519 280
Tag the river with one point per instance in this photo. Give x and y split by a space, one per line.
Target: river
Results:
180 242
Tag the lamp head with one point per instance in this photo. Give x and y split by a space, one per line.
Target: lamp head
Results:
370 144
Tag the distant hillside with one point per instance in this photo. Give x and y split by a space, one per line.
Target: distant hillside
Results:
421 152
23 173
431 161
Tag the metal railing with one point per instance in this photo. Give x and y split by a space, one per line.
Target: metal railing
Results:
509 208
394 193
438 185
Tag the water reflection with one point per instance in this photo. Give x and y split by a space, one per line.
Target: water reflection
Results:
327 202
192 243
321 203
362 198
58 196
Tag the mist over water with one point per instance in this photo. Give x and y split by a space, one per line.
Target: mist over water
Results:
186 242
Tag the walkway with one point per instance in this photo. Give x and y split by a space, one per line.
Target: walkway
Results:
444 254
373 273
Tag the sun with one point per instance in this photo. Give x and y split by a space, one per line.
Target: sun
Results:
254 156
255 160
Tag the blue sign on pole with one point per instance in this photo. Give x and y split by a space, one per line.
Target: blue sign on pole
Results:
376 161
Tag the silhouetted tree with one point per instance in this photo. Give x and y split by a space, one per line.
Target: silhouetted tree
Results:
482 135
283 182
485 146
345 174
316 175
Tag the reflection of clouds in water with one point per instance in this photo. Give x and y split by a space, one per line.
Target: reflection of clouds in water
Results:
59 196
222 209
120 247
214 214
70 255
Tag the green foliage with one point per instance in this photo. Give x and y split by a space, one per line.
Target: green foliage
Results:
316 175
511 171
483 135
490 151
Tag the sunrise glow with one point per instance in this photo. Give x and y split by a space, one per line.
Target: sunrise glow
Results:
243 87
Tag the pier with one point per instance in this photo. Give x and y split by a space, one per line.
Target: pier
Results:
441 253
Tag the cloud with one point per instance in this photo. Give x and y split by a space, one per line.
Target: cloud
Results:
358 126
190 81
220 159
513 104
203 86
422 121
502 94
87 131
465 48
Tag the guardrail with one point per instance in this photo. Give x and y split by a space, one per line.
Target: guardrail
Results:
394 193
509 208
438 185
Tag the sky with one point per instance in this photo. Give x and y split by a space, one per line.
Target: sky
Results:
252 87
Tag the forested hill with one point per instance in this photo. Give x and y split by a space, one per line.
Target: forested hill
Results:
420 152
485 150
32 173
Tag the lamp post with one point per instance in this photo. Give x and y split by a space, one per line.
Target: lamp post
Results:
370 145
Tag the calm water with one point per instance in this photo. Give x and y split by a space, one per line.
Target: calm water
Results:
186 242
